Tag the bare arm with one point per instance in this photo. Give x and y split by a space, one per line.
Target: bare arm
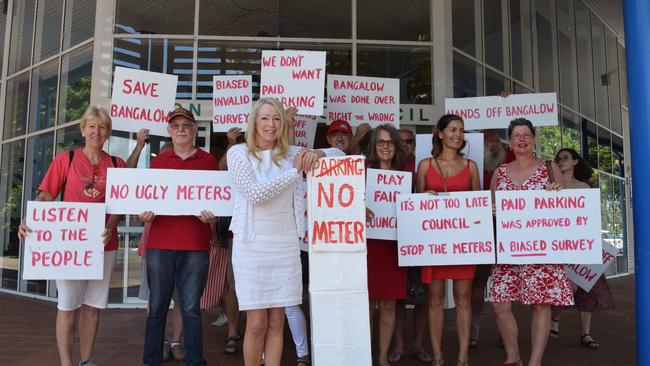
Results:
141 137
421 176
475 176
232 136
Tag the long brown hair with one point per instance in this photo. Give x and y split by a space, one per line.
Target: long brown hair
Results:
582 171
397 163
436 142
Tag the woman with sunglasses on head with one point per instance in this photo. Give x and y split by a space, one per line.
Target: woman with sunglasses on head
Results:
576 173
538 285
80 176
448 171
386 280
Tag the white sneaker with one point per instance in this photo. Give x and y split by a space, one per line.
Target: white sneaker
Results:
222 320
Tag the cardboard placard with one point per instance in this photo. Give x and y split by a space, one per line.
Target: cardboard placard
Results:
383 189
337 208
296 78
586 275
359 99
553 227
474 149
142 99
454 228
65 242
232 101
172 192
305 131
481 113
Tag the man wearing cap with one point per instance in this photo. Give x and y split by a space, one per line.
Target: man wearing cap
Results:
177 250
339 135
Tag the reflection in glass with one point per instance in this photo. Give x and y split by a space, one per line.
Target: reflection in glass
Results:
68 138
618 160
589 143
116 288
48 29
3 22
620 221
550 141
613 82
74 98
43 96
11 182
408 20
464 26
566 39
22 32
608 207
412 65
622 67
16 105
604 150
79 21
158 16
495 83
521 41
467 76
546 51
585 60
159 55
571 131
135 269
493 33
600 72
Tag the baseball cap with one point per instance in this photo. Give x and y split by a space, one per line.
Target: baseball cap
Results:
181 112
339 125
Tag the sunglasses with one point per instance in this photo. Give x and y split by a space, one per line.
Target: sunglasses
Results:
409 141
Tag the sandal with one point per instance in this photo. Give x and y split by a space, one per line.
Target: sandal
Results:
303 361
473 338
395 356
439 362
519 362
462 363
423 356
588 342
232 345
555 329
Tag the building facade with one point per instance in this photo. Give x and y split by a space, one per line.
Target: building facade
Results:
58 56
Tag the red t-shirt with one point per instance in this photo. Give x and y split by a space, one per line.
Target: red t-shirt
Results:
181 232
409 165
85 182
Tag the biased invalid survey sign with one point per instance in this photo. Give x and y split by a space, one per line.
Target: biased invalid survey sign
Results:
65 242
453 228
170 192
553 227
383 189
496 112
232 100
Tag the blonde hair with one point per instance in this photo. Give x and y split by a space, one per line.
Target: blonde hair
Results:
282 143
96 112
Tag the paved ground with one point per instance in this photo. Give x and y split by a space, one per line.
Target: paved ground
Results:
27 336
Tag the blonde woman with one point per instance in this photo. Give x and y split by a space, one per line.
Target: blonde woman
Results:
268 217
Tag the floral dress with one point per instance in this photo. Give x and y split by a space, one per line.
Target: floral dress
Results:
545 284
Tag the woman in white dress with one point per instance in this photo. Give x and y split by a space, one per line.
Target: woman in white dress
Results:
269 214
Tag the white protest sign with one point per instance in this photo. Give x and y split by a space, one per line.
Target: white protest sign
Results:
172 192
540 226
232 100
586 275
337 208
481 113
383 189
474 149
454 228
359 99
142 99
65 242
296 78
305 130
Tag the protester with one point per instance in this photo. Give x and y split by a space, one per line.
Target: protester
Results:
576 173
420 308
177 249
538 285
268 218
339 135
386 280
80 176
448 171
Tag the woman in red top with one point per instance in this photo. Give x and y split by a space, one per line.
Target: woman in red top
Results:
448 171
386 280
80 176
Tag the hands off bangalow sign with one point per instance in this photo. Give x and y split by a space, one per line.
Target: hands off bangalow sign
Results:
337 208
296 78
232 100
497 112
358 100
553 227
65 242
454 228
168 192
142 99
305 130
586 275
383 189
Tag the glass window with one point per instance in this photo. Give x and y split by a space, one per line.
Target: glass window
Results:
48 29
11 191
546 51
566 40
467 77
412 65
604 150
550 140
406 20
464 25
622 67
613 82
161 16
79 21
585 60
76 70
589 143
571 131
234 18
618 159
16 105
135 265
69 138
495 83
116 291
520 89
3 22
22 32
607 205
600 72
43 96
158 55
619 226
521 41
493 33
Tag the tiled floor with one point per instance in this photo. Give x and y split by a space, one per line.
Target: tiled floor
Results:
27 336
